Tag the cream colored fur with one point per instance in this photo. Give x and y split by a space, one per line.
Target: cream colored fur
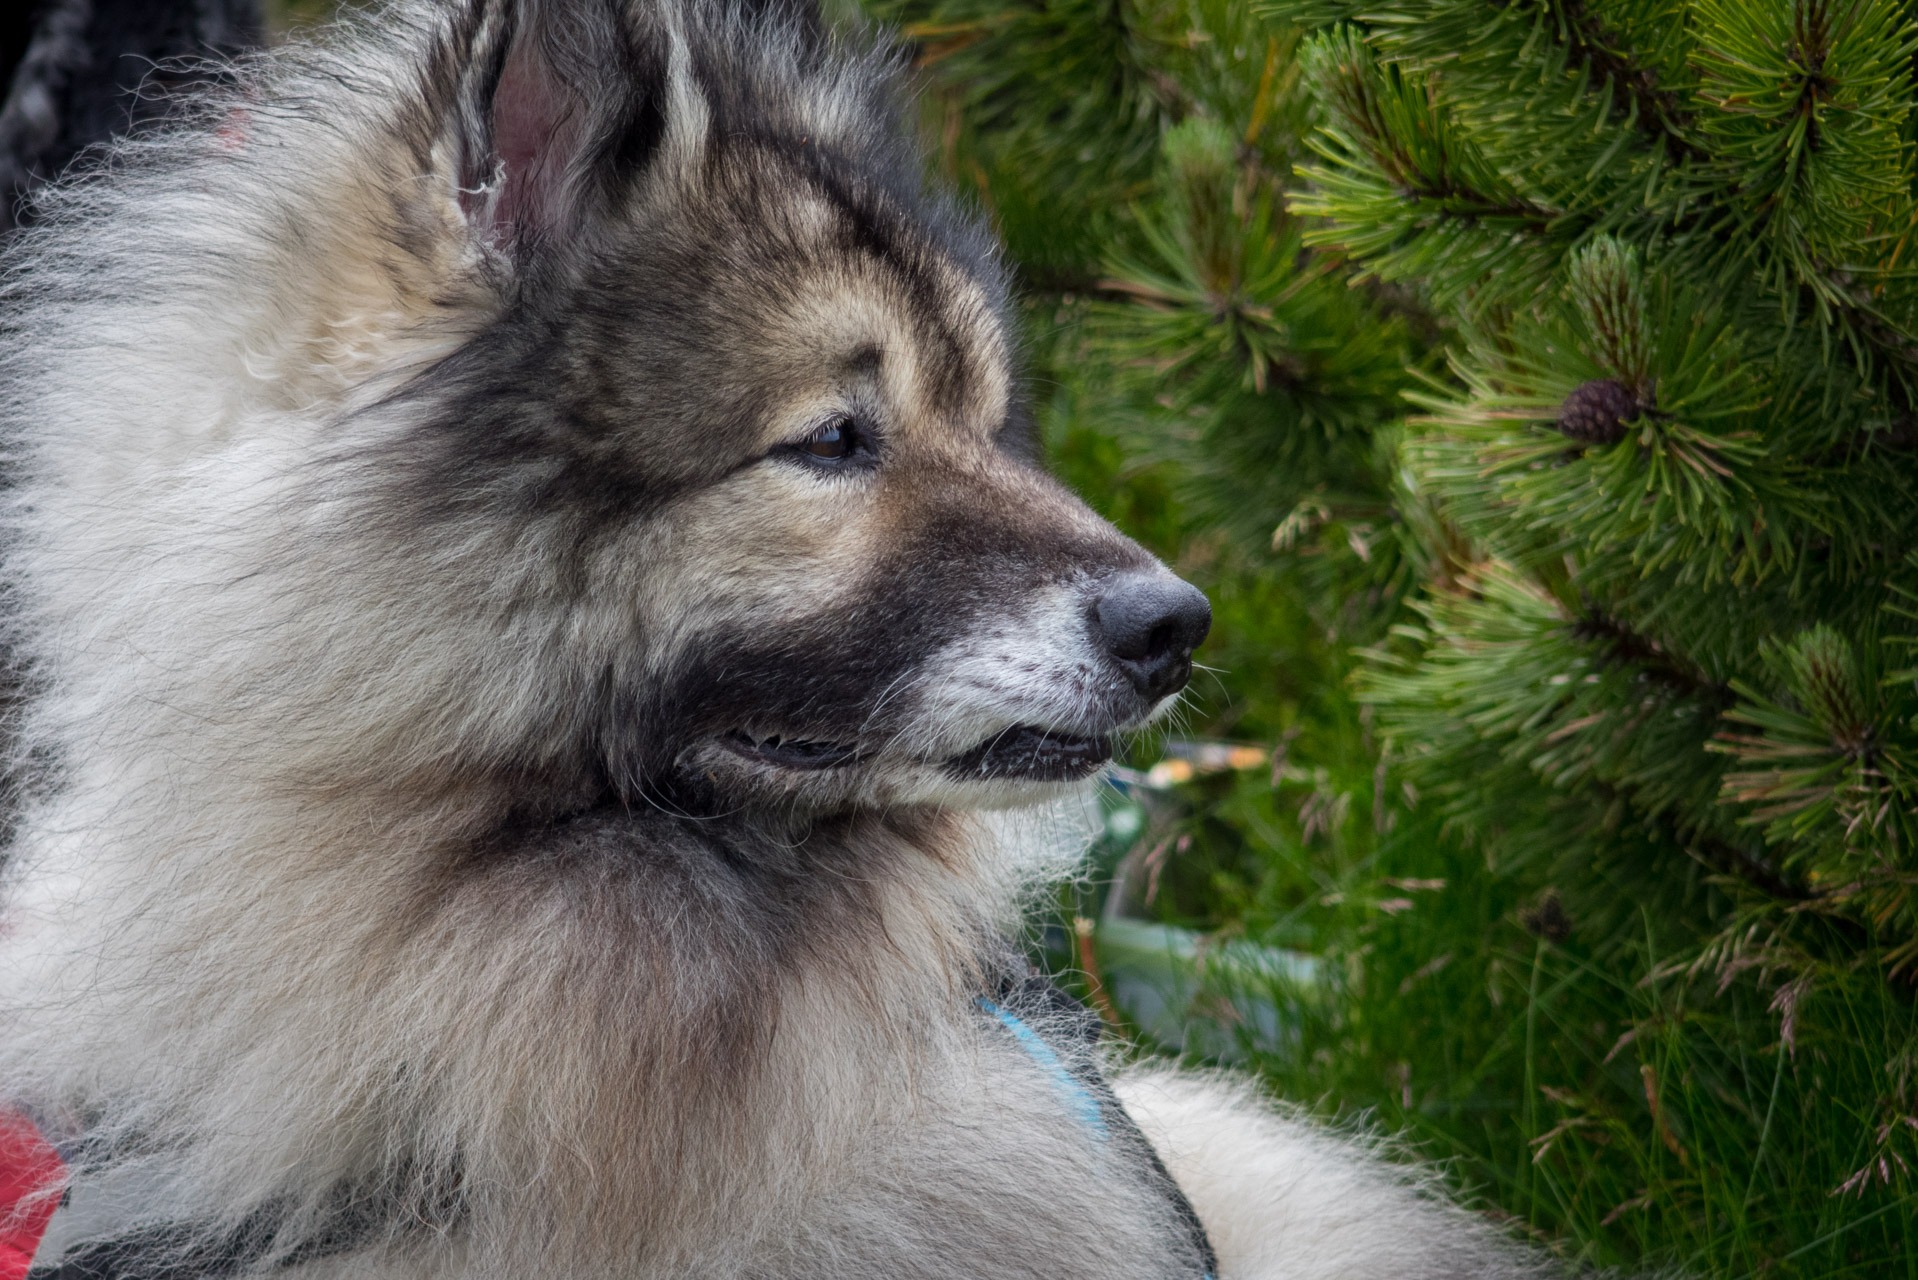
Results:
1283 1198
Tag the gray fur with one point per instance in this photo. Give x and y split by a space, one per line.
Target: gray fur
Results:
501 805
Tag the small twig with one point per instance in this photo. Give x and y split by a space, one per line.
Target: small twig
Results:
1089 965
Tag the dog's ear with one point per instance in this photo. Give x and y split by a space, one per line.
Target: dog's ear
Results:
562 104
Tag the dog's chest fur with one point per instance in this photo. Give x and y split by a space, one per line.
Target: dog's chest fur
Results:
631 1046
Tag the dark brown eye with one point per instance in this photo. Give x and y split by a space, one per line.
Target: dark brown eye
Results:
834 440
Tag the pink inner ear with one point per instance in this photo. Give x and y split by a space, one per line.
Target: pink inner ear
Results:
537 133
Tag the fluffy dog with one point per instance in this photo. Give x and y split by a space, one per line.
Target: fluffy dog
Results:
530 586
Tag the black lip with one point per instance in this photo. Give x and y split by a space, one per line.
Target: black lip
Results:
1030 753
792 753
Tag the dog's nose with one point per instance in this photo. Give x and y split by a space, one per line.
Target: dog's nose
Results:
1150 626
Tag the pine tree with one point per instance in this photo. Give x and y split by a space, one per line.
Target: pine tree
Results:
1611 857
1679 448
1663 660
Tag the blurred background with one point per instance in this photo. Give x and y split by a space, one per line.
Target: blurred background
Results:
1533 386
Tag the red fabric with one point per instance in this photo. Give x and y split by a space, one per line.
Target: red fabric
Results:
28 1163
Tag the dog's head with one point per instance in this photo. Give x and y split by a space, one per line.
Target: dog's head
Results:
748 428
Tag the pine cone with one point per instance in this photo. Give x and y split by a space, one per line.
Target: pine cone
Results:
1597 412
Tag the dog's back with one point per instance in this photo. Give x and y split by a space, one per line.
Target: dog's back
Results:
531 573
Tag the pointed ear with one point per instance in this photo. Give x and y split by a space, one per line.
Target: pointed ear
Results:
562 105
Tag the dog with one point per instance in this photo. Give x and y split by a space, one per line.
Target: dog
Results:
549 669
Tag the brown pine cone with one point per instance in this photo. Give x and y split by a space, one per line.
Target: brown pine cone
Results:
1596 413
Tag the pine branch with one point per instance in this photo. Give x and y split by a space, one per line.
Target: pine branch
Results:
1752 869
1616 643
1901 436
1657 112
1719 854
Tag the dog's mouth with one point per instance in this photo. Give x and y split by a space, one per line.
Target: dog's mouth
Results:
1023 753
1028 753
792 753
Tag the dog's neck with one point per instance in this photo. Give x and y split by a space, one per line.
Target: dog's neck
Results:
616 1023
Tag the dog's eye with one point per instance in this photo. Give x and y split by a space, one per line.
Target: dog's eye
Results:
838 444
835 440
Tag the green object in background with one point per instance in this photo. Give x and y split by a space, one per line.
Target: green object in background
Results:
1156 973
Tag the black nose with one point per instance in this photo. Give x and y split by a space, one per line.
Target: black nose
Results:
1150 626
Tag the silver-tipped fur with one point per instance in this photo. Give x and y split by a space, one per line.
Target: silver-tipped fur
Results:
536 617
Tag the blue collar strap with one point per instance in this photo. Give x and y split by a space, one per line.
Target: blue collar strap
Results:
1055 1024
1077 1098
